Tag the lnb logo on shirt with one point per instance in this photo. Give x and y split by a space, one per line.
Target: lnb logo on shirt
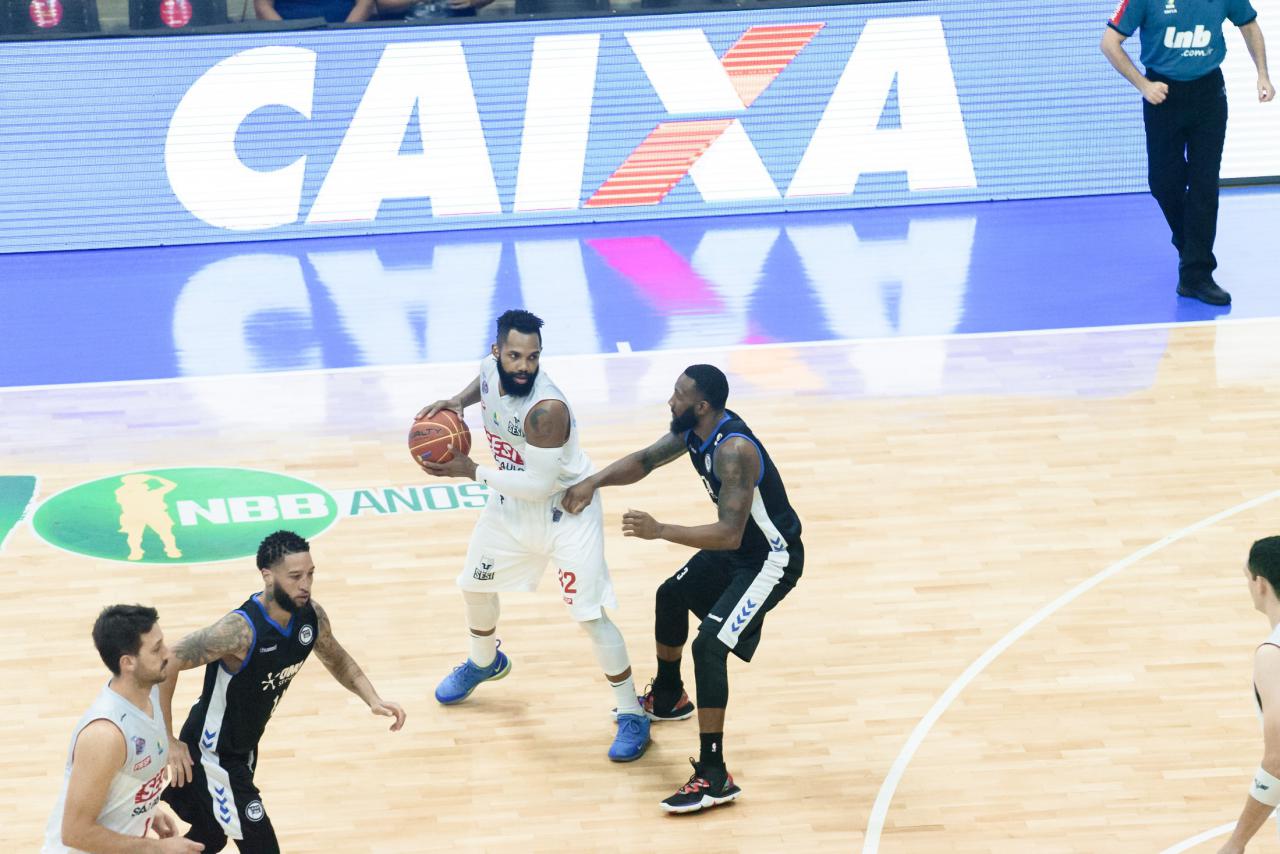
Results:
1198 38
181 515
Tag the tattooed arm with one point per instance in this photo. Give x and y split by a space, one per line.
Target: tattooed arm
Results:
629 469
348 674
227 641
738 468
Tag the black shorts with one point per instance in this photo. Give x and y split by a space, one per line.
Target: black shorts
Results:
731 593
221 802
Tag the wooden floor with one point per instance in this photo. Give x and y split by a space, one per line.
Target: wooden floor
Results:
950 489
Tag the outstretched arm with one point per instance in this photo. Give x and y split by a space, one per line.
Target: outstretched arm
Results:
227 641
348 674
738 468
629 469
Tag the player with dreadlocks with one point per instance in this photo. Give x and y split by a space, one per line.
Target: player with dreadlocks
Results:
250 657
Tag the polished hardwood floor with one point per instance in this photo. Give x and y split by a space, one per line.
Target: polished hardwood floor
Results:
950 489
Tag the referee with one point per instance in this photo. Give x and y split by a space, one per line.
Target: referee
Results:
1185 113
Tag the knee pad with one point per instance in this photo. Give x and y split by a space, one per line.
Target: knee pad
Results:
671 615
482 610
606 640
711 670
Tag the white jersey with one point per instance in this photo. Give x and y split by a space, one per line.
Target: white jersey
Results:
135 789
504 417
1274 640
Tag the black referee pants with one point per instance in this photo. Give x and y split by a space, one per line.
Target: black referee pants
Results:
1184 154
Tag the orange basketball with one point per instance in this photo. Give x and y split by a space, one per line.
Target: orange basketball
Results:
430 437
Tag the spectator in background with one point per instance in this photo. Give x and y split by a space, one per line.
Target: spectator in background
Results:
428 10
333 11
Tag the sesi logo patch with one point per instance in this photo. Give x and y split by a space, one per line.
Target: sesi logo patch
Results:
504 452
151 789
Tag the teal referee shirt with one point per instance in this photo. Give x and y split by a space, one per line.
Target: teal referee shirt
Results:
1181 39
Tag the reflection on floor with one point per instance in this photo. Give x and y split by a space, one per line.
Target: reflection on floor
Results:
907 272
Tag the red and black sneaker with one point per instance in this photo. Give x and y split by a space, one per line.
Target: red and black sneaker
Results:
682 709
708 787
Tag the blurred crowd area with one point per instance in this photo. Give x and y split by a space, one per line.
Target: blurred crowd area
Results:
36 19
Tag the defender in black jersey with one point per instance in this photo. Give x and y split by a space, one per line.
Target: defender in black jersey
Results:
250 656
748 560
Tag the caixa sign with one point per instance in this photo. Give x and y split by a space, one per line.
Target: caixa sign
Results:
607 124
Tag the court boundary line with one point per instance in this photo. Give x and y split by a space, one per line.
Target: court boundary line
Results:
884 797
1193 841
720 348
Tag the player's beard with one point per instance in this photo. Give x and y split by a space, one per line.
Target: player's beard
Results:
284 600
513 388
155 677
686 420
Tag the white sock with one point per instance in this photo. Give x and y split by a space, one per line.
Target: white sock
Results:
482 615
624 694
484 649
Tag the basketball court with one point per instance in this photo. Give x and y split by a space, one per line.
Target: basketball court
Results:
1028 476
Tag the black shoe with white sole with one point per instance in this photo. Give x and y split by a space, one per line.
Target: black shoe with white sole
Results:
708 787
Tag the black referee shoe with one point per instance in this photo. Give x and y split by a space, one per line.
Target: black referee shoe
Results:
1206 290
708 787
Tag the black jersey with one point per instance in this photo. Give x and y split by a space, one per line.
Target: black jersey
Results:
234 707
773 525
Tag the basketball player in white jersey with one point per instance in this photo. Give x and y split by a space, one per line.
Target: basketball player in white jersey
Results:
1263 572
116 764
534 441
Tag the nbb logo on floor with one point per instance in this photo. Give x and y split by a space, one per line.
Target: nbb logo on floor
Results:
199 515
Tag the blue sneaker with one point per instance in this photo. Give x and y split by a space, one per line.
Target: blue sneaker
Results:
464 679
632 738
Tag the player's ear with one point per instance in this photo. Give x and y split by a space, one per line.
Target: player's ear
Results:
493 348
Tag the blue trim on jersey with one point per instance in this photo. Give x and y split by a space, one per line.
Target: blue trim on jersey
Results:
284 630
759 452
711 438
253 641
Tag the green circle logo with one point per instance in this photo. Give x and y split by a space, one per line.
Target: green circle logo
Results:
182 515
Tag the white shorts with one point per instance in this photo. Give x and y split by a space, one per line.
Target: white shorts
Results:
513 541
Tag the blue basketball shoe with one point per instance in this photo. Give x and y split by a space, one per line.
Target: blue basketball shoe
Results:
466 677
632 738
